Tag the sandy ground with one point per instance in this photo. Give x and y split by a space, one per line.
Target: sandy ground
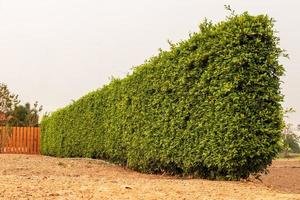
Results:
41 177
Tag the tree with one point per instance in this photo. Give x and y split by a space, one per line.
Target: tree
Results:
8 102
26 115
293 142
13 114
290 141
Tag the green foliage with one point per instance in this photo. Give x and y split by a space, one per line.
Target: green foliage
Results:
209 107
290 141
14 114
26 115
8 102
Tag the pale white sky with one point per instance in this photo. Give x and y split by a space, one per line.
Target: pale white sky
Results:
54 51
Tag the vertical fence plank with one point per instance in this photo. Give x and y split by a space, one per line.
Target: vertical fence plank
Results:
31 140
10 135
25 139
10 132
1 140
8 142
28 140
22 138
15 130
17 139
13 142
34 140
22 141
5 137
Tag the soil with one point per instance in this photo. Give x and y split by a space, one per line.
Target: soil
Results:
284 176
42 177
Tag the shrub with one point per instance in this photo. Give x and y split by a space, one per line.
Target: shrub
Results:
208 107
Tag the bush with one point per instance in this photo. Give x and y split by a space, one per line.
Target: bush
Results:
208 107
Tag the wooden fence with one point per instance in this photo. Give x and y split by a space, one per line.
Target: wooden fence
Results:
20 140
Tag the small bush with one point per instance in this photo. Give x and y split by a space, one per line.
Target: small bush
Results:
208 107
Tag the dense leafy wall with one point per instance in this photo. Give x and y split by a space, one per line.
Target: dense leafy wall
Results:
208 107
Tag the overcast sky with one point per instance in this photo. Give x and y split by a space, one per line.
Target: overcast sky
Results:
53 51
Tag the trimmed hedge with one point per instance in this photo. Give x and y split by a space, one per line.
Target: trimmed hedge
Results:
208 107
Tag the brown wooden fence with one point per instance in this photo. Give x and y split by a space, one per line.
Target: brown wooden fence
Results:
20 140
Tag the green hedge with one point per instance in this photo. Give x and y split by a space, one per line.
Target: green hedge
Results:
208 107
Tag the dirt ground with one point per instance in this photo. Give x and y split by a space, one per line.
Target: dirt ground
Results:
284 176
41 177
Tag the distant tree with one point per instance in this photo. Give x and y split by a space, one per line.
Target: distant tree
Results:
290 141
26 115
293 142
8 103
